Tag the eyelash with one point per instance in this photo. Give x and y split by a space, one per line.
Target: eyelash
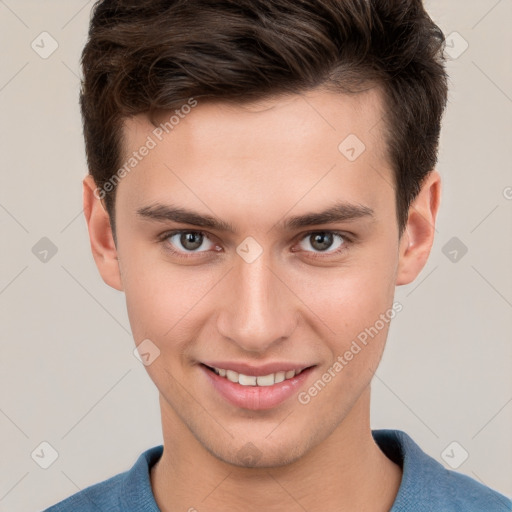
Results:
347 241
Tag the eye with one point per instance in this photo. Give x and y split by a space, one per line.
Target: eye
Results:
322 241
183 242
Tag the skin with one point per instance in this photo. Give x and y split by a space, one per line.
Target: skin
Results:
254 165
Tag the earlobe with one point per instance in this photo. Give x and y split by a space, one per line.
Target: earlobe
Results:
103 247
418 237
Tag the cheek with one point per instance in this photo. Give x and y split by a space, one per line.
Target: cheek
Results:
354 304
162 298
352 295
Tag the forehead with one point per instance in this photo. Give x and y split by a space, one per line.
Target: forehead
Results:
280 149
319 112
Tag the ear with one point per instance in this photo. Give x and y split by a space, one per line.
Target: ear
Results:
418 236
100 234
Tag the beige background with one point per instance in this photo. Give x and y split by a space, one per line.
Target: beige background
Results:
67 372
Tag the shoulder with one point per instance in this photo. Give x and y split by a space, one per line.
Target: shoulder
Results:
427 486
101 496
119 493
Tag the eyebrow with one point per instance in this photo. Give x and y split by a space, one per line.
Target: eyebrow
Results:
339 212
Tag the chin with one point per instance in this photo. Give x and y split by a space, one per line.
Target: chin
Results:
251 457
261 453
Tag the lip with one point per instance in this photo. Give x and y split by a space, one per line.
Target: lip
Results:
256 398
257 371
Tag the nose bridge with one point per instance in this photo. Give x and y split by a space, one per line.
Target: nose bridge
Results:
257 311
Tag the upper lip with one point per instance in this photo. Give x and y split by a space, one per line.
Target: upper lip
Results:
257 371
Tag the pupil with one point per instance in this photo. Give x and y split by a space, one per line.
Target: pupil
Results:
322 238
187 239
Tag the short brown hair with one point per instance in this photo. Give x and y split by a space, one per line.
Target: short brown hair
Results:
145 57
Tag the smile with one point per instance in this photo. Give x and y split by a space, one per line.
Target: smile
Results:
256 392
253 380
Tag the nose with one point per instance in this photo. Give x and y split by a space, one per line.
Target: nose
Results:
257 310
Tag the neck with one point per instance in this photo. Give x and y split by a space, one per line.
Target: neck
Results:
346 471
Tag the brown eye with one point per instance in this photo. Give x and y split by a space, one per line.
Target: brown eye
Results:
191 241
183 242
323 242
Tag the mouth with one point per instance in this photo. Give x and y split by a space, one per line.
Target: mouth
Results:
265 390
256 380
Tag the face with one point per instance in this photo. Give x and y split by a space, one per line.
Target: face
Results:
263 284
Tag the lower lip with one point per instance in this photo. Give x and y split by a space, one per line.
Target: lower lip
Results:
256 398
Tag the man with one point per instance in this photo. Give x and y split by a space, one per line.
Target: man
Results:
261 179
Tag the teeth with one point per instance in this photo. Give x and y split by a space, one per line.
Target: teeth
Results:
251 380
265 380
279 377
232 376
246 380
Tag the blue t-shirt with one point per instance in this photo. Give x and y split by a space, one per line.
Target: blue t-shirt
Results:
426 485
